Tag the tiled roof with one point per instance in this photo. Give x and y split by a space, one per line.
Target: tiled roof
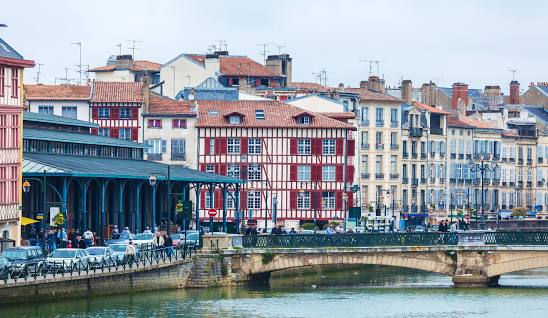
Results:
58 120
78 138
117 92
57 92
140 65
164 105
538 112
472 92
467 122
310 86
510 133
367 95
231 65
542 88
276 114
339 115
430 109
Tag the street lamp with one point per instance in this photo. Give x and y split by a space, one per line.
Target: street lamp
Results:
274 208
26 186
344 199
153 181
482 167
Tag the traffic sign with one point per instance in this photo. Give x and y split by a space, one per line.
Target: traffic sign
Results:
212 212
179 207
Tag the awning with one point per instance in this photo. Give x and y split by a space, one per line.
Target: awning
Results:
27 221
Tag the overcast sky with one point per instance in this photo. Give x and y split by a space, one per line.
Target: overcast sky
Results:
476 42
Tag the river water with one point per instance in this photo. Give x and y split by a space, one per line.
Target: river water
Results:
364 291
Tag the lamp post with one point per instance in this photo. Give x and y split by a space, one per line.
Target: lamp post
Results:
153 181
345 200
274 208
483 166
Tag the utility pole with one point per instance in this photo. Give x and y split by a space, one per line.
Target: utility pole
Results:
133 47
38 73
265 51
80 60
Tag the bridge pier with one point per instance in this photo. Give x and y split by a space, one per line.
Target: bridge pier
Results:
474 281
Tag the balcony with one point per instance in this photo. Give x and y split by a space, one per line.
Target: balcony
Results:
154 156
529 161
461 156
394 146
405 180
394 124
379 123
432 180
504 183
414 208
496 157
520 161
468 156
405 208
520 184
540 159
405 155
442 180
414 155
504 159
379 146
366 175
424 180
423 155
540 184
178 156
365 123
468 181
415 132
365 146
436 131
432 155
414 182
529 184
496 182
511 183
424 209
394 176
503 206
379 176
511 159
477 181
442 155
452 180
453 156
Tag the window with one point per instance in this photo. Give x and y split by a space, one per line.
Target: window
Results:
365 139
209 199
303 200
303 120
393 164
48 110
328 200
303 146
328 147
254 200
233 171
365 163
103 112
178 149
155 123
254 146
2 80
365 115
380 116
210 169
378 138
125 113
378 164
394 116
178 123
211 146
14 83
259 114
69 111
328 173
233 146
303 173
230 200
235 119
158 146
452 146
125 133
393 138
254 171
105 132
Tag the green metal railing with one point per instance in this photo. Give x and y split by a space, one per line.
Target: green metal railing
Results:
515 238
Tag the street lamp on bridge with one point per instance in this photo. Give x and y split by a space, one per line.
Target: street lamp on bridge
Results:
483 166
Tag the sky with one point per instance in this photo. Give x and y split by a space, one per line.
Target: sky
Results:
476 42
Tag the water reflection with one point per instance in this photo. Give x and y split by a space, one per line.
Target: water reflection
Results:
361 291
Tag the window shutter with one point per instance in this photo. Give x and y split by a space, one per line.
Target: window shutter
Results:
316 144
115 113
350 150
223 146
206 145
222 169
339 173
338 200
94 113
202 199
293 200
293 172
164 146
316 173
317 201
218 200
134 134
134 112
243 146
339 146
350 200
94 131
202 167
293 146
243 201
115 133
349 173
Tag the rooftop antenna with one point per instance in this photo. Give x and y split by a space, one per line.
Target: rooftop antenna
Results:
133 47
370 65
378 66
87 73
211 49
280 47
513 74
265 51
66 79
221 44
437 79
80 61
321 76
119 45
38 73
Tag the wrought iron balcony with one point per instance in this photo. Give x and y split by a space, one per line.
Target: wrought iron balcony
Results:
394 146
511 159
379 123
154 156
423 209
415 132
379 176
540 160
414 208
496 157
394 124
453 156
504 183
468 156
178 156
436 131
365 123
511 183
405 155
365 146
424 180
442 180
529 184
423 155
394 175
452 180
379 146
529 161
520 184
366 175
414 182
414 155
461 156
442 155
520 161
432 155
405 180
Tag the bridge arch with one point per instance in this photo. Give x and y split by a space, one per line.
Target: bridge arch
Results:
516 264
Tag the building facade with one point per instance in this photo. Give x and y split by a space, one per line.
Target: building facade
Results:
71 101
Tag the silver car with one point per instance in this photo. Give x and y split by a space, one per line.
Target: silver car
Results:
67 259
101 256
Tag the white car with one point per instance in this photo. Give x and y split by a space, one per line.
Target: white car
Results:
120 250
101 256
144 241
67 259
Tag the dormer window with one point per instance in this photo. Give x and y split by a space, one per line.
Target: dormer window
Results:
234 119
259 114
304 120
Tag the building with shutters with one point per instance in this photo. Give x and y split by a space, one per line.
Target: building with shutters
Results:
12 66
301 159
71 101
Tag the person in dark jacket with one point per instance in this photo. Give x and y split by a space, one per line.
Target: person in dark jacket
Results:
251 230
168 243
81 243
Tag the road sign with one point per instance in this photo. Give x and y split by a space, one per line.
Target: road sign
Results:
179 207
212 212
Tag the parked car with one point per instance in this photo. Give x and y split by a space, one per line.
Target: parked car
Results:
178 238
192 239
419 228
5 267
123 238
144 240
25 260
101 256
119 251
67 259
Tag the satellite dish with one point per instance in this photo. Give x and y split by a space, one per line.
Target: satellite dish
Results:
190 96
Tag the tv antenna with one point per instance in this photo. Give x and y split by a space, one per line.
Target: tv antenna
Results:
133 47
37 78
80 61
221 44
119 45
265 51
321 76
513 74
280 47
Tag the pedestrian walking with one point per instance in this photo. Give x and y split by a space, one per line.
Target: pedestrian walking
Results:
168 243
88 238
158 240
454 227
33 237
62 237
130 252
52 240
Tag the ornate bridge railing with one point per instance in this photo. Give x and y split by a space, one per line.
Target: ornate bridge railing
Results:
90 265
349 240
516 238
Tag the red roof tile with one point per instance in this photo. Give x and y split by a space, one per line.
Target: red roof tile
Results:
339 115
467 122
367 95
140 65
277 114
117 92
310 86
160 105
57 92
511 133
238 66
431 109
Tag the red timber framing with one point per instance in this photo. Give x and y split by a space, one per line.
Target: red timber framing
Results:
279 162
118 116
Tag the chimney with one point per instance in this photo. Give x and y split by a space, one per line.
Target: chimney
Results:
212 64
492 90
282 64
341 85
429 94
407 90
514 93
124 61
375 84
364 84
146 94
459 97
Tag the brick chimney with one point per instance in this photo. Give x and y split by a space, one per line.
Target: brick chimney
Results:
460 96
407 90
375 84
514 93
146 94
429 94
363 84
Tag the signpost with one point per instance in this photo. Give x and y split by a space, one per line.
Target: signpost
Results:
212 213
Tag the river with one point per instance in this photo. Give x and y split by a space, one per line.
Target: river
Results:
365 291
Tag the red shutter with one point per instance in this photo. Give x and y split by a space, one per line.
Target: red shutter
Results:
134 134
339 147
218 200
293 147
350 199
318 205
293 172
316 146
202 199
316 173
217 146
114 133
206 146
339 173
350 148
134 113
223 146
94 113
115 113
338 200
202 167
94 131
293 200
243 146
257 82
222 169
243 201
349 173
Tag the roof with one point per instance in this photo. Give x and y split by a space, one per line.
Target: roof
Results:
232 65
10 56
472 92
136 66
57 92
78 138
510 133
430 109
538 112
310 86
339 115
100 167
117 92
59 120
367 95
467 122
277 114
160 105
